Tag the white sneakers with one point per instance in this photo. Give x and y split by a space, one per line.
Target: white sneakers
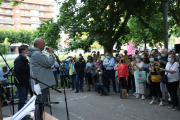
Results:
143 98
152 102
138 96
160 104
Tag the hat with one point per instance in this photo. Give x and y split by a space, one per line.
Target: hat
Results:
97 61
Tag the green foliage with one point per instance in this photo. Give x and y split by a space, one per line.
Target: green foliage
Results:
4 47
14 2
49 32
23 36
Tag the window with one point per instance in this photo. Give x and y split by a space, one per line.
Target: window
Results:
41 7
7 11
41 14
27 26
26 13
34 12
23 26
18 26
17 11
26 5
17 18
8 18
1 17
8 26
1 25
0 10
27 19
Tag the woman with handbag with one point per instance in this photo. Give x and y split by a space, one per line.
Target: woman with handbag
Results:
123 74
138 66
154 79
172 73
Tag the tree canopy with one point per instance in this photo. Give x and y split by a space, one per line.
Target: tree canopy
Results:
23 36
49 32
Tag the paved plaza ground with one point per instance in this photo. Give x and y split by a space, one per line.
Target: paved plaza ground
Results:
90 106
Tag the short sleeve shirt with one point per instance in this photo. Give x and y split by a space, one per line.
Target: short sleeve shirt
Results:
80 68
151 68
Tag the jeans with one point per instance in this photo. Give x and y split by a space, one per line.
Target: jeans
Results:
63 80
102 89
23 92
73 79
79 78
55 76
111 74
40 99
172 89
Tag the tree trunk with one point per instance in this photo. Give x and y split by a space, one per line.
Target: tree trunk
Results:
144 44
108 48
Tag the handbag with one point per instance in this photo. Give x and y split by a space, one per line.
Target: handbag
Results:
164 78
156 78
141 76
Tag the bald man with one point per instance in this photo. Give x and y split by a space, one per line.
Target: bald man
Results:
40 68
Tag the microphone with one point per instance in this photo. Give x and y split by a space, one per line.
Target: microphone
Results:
47 48
6 74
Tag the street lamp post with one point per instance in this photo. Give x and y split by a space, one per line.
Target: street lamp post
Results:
165 22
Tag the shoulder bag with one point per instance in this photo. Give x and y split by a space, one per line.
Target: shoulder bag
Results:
164 78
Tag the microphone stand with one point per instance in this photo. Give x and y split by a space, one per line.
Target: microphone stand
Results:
64 92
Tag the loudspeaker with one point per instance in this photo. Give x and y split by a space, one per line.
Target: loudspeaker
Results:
177 48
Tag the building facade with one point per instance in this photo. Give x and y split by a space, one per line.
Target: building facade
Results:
27 15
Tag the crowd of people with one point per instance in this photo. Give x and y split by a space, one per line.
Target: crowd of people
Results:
123 71
155 71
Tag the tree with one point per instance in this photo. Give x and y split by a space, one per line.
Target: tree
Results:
48 31
103 21
4 47
140 33
23 36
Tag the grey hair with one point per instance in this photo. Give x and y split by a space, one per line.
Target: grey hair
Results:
138 56
164 50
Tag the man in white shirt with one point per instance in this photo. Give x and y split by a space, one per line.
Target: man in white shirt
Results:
109 64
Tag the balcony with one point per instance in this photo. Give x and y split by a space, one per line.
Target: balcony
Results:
45 16
5 27
6 5
35 15
46 9
6 13
30 22
7 21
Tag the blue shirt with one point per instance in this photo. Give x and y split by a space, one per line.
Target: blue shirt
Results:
1 75
67 65
56 64
165 59
93 70
109 63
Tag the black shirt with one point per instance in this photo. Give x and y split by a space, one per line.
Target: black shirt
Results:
80 68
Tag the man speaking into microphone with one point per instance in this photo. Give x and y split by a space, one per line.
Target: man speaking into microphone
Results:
40 68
